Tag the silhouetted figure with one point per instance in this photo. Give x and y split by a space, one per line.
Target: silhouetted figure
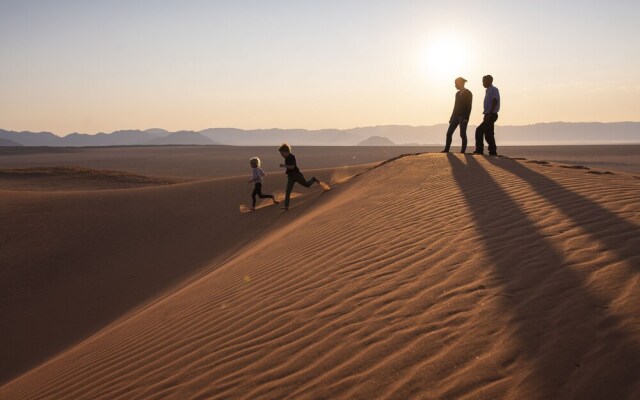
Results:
258 178
460 115
293 173
491 107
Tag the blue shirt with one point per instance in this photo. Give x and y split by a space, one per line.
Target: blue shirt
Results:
491 93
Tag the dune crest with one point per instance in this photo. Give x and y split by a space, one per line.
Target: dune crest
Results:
430 276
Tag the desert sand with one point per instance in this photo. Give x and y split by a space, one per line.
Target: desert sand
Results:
202 162
193 162
430 276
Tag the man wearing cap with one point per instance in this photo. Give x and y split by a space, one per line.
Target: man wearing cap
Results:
460 114
491 107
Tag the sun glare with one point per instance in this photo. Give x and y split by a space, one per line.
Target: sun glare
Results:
444 57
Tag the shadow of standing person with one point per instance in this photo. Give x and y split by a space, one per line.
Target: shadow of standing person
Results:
618 235
570 347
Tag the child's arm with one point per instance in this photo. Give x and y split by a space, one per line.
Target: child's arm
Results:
293 165
261 172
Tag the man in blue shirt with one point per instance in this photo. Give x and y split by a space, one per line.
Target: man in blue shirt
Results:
491 107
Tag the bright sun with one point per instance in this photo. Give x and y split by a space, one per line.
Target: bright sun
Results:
445 57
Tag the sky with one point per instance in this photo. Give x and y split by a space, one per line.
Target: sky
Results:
99 66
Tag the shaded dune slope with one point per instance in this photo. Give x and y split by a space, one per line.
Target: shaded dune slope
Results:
432 276
73 261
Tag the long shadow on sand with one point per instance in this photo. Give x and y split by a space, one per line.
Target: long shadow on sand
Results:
621 236
569 345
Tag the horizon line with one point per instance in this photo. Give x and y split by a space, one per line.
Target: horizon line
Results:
311 130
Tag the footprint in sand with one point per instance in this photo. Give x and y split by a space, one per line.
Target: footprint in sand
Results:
574 167
600 172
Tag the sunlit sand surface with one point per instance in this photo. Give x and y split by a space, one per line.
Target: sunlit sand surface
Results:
431 276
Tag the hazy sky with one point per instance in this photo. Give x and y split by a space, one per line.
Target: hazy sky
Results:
92 66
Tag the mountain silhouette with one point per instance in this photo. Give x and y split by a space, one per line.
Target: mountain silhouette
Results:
556 133
376 141
183 137
7 142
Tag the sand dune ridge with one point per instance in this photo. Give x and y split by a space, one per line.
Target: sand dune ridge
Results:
431 276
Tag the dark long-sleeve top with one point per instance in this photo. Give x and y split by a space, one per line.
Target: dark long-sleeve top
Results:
462 106
291 161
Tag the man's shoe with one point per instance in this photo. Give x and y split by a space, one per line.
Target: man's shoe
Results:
478 152
444 151
493 154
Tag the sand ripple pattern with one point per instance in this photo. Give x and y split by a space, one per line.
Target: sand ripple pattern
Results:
430 277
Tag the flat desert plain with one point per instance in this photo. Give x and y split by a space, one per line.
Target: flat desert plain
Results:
130 273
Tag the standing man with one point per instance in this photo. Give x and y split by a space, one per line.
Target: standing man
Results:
460 115
491 107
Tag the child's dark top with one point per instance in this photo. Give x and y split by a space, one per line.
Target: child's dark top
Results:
291 160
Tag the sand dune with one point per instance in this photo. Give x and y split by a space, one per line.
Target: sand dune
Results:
204 162
74 260
194 162
432 276
73 178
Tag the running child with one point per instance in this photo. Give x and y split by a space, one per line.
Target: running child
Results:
294 175
257 178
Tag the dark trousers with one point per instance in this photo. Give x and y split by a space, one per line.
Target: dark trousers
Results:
485 131
453 124
291 180
257 191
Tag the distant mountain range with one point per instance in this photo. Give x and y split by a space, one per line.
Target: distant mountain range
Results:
545 133
7 142
376 141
